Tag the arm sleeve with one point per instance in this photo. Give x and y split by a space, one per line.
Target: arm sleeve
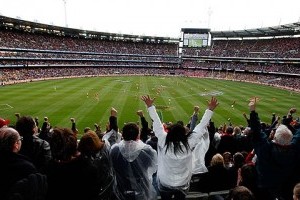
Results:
144 130
113 123
256 127
194 120
73 127
158 127
144 123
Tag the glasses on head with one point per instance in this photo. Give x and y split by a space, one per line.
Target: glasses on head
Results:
21 138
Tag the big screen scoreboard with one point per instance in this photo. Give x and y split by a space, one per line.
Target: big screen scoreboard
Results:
195 40
195 37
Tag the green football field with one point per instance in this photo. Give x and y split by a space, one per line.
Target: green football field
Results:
89 100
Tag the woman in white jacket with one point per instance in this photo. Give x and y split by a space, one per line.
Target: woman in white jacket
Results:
175 151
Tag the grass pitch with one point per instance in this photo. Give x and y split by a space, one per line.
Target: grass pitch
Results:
89 100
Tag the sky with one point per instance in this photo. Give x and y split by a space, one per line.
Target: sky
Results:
155 17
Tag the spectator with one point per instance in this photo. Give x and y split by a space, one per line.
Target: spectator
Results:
228 163
70 177
93 150
200 150
33 147
174 151
145 130
15 169
277 160
247 176
134 163
112 134
45 130
227 142
240 193
296 192
217 177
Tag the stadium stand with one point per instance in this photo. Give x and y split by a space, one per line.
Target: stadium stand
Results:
31 51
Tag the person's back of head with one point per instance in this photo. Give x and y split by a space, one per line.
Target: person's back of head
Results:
63 144
229 130
283 135
217 160
130 131
238 159
296 192
90 144
26 126
248 176
240 193
9 138
237 130
177 136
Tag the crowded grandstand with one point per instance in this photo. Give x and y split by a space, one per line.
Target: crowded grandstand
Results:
31 51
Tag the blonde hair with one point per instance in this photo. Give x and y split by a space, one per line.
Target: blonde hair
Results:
296 191
217 159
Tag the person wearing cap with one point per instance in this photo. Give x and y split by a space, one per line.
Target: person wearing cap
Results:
4 122
277 161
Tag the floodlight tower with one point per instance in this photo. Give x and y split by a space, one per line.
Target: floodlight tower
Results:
209 12
65 9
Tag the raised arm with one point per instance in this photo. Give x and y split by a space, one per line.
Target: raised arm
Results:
113 123
255 122
194 118
157 124
200 129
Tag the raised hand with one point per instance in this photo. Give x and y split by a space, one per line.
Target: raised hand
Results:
140 113
113 112
213 103
148 101
196 109
252 104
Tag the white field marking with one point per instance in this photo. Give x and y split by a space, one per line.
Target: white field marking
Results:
122 81
5 106
212 93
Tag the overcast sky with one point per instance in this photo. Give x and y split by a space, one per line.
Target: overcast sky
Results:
155 17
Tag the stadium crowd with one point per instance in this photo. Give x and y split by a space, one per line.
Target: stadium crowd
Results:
150 161
19 75
252 48
29 56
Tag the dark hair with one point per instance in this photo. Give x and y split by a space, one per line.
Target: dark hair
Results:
238 159
177 135
229 130
25 126
240 193
249 176
130 131
63 144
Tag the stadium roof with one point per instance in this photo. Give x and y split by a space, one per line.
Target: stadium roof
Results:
274 31
19 24
281 30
